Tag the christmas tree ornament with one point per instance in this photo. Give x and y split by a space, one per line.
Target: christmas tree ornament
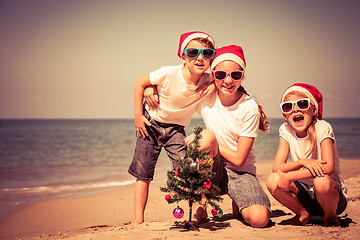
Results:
207 184
217 213
178 212
214 211
176 172
167 197
191 181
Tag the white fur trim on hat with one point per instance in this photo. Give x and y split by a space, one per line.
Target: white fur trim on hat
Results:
302 90
228 56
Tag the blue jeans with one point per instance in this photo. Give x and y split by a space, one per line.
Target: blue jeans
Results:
147 150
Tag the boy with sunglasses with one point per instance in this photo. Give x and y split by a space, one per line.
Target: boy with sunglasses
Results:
311 184
179 89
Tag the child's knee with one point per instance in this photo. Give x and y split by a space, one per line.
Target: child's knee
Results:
272 182
324 185
209 142
257 217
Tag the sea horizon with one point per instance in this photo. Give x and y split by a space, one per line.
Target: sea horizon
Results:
48 159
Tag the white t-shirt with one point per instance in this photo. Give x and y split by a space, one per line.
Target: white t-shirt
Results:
178 100
300 146
230 123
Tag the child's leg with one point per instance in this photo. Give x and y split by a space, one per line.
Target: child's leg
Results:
289 200
236 211
208 142
248 195
326 190
256 215
200 213
141 193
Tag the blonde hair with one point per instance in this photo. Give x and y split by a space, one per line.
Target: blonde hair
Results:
311 128
264 122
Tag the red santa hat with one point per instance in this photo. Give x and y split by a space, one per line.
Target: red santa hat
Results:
311 92
187 37
232 52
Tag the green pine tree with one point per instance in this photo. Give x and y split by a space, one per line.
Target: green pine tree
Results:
190 179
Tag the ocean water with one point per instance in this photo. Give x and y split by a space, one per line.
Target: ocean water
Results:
55 159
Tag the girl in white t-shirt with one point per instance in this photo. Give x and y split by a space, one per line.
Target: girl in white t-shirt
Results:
311 184
232 121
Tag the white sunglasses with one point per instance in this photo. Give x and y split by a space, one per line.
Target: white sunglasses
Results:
288 106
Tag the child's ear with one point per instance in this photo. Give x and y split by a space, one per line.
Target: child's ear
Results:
314 111
183 59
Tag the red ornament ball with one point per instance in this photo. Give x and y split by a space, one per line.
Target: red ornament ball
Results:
218 213
214 211
176 171
167 197
207 184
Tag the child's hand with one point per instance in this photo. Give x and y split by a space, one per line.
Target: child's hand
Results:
189 139
284 182
207 89
140 126
316 167
151 97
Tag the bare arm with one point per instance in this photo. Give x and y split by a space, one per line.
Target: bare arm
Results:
315 167
140 120
288 172
238 157
327 155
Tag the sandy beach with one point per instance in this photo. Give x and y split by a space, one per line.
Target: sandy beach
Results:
102 216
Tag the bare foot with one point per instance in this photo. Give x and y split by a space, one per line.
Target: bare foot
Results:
331 222
297 220
132 224
199 217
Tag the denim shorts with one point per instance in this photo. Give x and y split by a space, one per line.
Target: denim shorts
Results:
245 189
242 187
147 150
308 199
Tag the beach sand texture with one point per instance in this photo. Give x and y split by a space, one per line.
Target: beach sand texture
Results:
102 216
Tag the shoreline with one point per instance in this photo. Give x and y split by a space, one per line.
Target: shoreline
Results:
102 215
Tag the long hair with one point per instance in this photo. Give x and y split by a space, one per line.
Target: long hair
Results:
264 122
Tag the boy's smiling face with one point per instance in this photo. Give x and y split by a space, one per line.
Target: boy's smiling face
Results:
299 119
199 64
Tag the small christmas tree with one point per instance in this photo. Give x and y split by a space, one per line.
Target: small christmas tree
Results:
191 179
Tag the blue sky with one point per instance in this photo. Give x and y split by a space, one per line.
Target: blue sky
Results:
81 59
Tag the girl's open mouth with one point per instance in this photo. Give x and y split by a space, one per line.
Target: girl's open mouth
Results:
298 118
